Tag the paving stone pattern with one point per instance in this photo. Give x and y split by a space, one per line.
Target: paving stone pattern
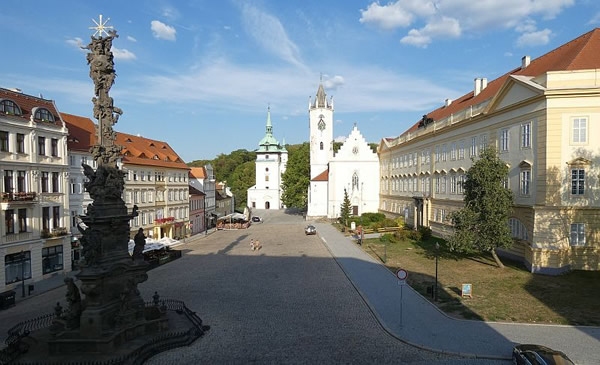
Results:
288 303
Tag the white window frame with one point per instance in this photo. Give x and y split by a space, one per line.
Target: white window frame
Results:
444 184
525 178
579 133
473 151
461 150
577 234
444 152
578 182
453 184
453 151
526 135
504 140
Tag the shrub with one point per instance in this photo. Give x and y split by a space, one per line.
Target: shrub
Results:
414 235
401 235
388 237
387 222
425 233
373 217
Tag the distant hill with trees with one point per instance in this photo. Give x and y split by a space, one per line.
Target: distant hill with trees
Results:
238 169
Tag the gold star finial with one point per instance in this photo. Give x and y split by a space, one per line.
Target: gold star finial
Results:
101 26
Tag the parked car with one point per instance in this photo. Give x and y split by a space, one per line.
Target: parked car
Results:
310 229
256 219
539 355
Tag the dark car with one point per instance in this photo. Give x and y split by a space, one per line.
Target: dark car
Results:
538 355
256 219
310 229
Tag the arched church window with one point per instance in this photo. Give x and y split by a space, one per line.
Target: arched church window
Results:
355 181
321 145
266 169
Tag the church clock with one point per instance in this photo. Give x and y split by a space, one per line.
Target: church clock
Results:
321 125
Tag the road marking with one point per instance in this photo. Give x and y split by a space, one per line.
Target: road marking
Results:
323 239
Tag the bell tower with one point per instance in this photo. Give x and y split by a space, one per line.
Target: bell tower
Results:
320 118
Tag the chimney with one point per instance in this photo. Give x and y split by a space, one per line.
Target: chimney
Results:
525 61
483 83
448 102
477 89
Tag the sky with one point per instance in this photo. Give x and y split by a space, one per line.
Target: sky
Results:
200 74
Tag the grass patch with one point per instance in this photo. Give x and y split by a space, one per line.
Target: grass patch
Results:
510 295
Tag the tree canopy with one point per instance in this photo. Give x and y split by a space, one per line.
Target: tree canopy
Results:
296 178
482 225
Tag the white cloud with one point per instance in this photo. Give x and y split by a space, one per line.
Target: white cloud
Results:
339 121
595 19
334 82
123 54
131 39
270 34
395 15
161 30
340 139
527 26
443 27
508 54
170 12
366 89
470 16
76 42
226 27
538 38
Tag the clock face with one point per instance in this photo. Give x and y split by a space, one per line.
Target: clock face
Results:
355 150
321 125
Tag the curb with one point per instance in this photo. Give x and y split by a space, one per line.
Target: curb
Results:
489 322
392 334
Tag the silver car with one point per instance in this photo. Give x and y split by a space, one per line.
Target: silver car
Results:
310 229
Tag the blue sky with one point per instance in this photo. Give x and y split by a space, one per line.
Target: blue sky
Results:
200 74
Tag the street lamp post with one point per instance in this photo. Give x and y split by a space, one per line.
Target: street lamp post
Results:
22 274
205 218
437 253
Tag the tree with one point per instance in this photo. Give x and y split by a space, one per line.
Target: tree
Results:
482 225
242 178
296 178
345 210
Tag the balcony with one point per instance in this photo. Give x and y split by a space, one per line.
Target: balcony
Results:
17 237
54 233
17 197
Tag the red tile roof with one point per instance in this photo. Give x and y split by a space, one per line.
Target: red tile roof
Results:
136 150
198 172
27 103
324 176
582 53
82 132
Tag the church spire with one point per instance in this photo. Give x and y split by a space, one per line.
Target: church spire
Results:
321 97
269 125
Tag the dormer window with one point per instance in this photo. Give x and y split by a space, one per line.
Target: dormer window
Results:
128 140
44 115
10 107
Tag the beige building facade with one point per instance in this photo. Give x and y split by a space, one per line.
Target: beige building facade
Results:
34 236
544 119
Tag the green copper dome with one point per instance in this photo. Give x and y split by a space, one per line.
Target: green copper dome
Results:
269 143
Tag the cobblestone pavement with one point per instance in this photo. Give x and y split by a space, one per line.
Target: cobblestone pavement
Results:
287 303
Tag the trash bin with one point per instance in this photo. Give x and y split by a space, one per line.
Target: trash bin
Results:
30 288
7 299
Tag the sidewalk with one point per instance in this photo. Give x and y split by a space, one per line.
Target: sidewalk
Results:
426 326
43 286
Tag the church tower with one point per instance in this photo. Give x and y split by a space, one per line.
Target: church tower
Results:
320 115
271 160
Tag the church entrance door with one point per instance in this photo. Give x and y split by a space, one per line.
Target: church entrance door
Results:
355 210
267 205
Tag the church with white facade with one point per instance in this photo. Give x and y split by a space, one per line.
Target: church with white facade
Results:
271 159
354 167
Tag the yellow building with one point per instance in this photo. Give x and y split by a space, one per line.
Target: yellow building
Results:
544 119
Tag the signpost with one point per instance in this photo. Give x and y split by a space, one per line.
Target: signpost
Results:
401 274
467 290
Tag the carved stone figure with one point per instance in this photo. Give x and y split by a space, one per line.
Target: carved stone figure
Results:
73 312
140 243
